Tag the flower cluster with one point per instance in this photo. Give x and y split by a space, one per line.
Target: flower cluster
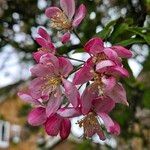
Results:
57 100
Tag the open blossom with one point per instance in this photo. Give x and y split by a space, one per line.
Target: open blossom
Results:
44 40
51 73
91 123
103 69
66 18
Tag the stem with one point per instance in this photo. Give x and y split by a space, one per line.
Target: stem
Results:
74 59
78 37
74 70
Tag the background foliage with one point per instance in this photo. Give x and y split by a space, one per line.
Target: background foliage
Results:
124 22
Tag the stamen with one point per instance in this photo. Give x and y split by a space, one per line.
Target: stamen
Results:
51 83
43 49
60 22
90 124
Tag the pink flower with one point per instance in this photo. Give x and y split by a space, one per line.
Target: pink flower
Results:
91 121
37 116
59 123
46 44
103 61
51 75
66 19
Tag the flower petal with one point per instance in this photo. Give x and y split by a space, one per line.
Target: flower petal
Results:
26 96
103 104
83 75
118 71
35 87
43 33
52 12
79 15
109 83
65 38
68 6
101 135
118 94
65 66
89 94
37 55
65 128
37 116
112 55
42 42
52 125
54 103
49 60
122 52
94 46
111 126
41 70
71 92
102 66
69 112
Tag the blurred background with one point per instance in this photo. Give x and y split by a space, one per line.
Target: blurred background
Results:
124 22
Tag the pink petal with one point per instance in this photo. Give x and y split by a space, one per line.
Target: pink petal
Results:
35 87
50 59
118 71
43 33
41 70
41 42
122 52
112 55
83 75
37 55
109 83
54 103
101 135
89 94
79 15
68 6
52 125
103 104
71 92
25 96
94 46
37 116
65 128
109 124
65 66
51 12
118 94
102 66
69 112
65 38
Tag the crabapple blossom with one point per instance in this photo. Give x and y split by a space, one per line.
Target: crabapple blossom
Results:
66 18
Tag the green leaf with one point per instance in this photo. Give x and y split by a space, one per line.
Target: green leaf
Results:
118 30
105 33
142 32
131 41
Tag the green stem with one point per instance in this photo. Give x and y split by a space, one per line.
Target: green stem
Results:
78 37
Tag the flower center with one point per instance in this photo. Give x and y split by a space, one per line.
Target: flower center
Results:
51 83
90 124
99 57
60 22
98 83
43 49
